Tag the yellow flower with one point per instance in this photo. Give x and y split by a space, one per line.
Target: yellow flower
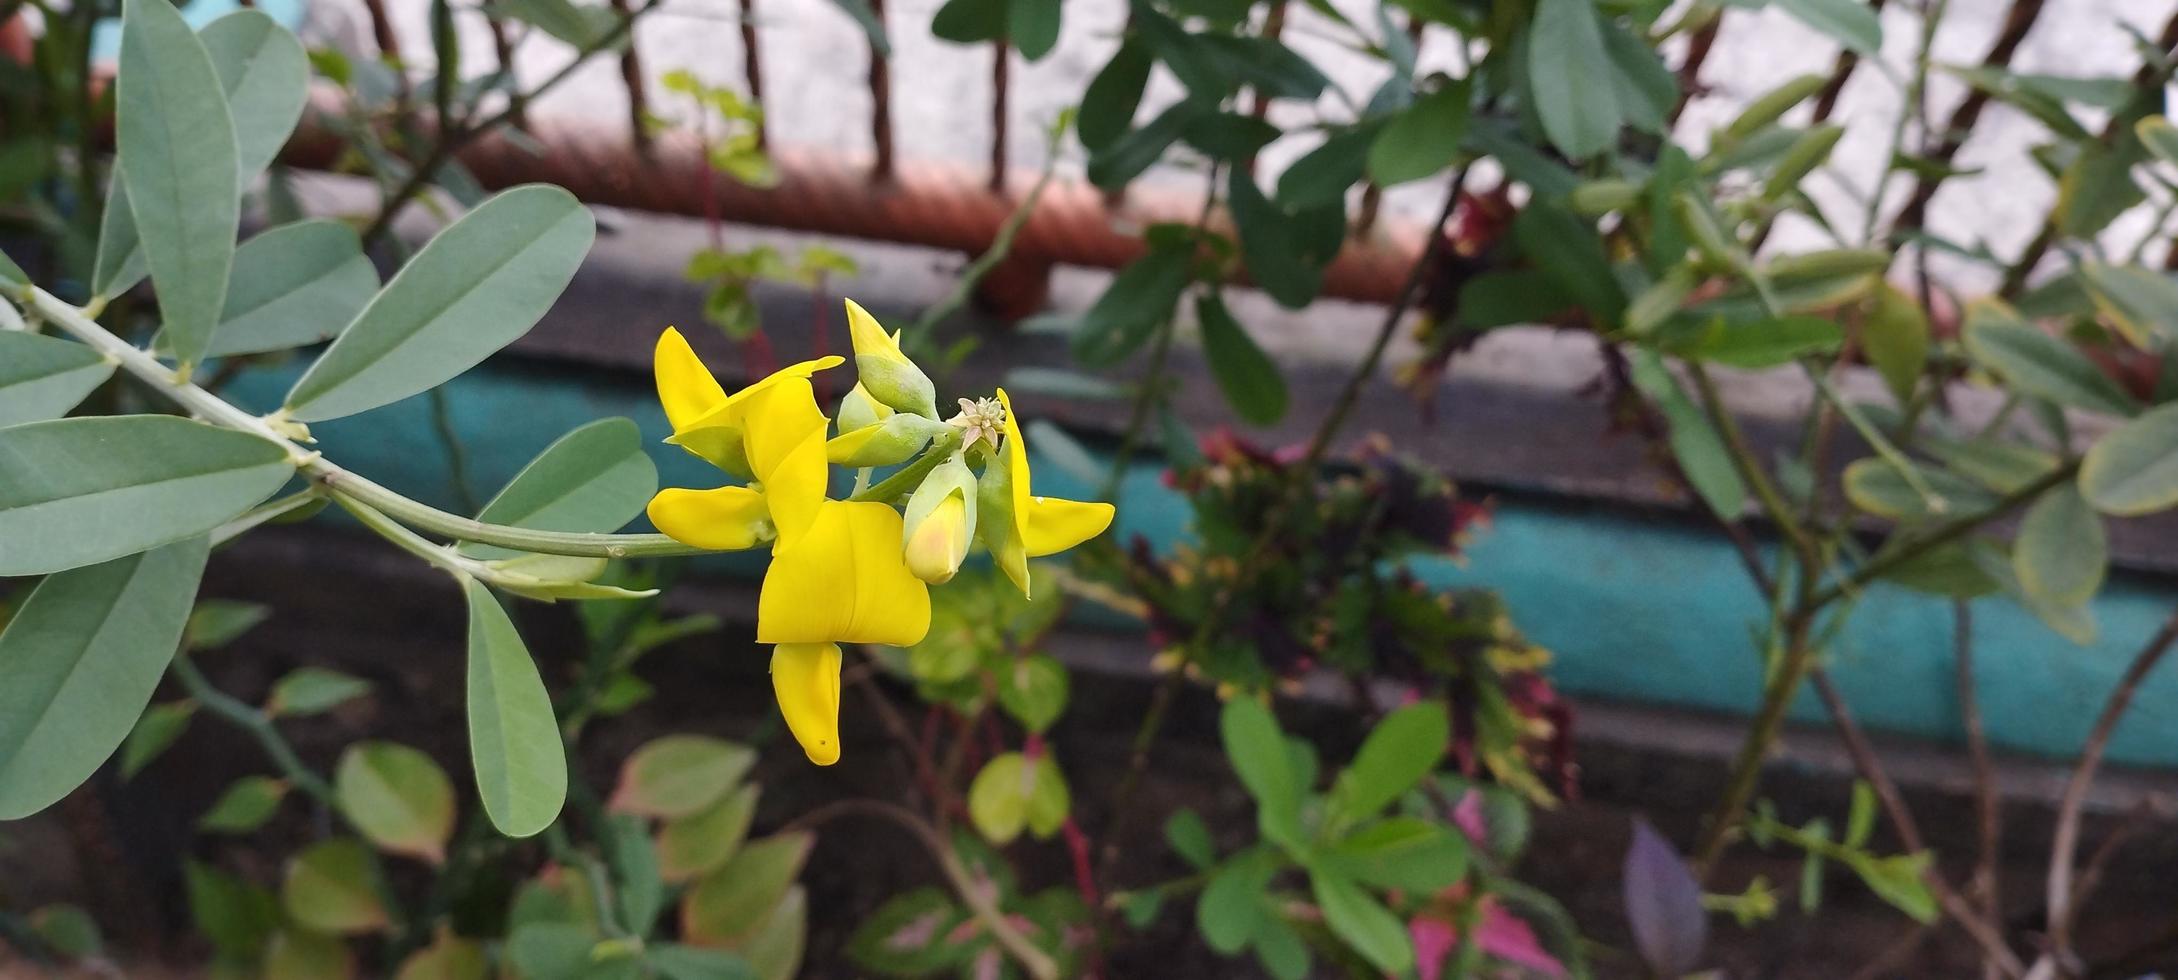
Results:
1018 525
940 520
884 370
837 574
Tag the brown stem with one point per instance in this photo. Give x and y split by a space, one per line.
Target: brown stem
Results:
389 48
880 102
1001 62
631 77
503 48
2064 843
2017 21
752 69
1690 70
1988 810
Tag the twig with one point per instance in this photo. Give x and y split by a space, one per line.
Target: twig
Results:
1988 811
1944 533
976 897
2017 21
2064 843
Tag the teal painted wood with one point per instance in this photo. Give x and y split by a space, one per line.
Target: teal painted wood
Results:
1637 610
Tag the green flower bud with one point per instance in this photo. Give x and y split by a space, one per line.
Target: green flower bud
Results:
895 440
940 521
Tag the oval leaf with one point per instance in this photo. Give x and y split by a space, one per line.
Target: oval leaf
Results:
596 478
1402 749
1248 377
312 690
1423 138
1663 904
729 904
514 740
78 491
482 282
43 377
1363 922
697 844
2039 364
295 285
332 888
244 807
265 74
1571 77
2133 470
397 798
82 656
2062 552
177 153
1257 750
677 775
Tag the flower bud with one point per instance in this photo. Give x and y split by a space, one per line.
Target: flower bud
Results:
885 372
895 440
940 521
858 409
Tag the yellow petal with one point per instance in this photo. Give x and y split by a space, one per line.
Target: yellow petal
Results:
843 580
1017 469
783 433
870 339
685 387
936 547
725 519
1055 525
805 679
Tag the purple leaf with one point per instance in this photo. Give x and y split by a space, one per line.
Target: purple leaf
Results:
1663 904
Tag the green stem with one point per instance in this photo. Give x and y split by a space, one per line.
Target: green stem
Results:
1942 534
313 466
259 727
892 487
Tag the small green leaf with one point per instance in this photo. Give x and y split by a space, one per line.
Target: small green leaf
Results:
2134 470
514 740
1250 380
299 954
1033 691
1896 337
1232 901
594 479
970 21
449 957
1363 922
1646 91
1424 138
68 930
332 888
215 623
1140 298
1399 751
636 880
78 491
246 805
1570 77
1851 22
1109 103
84 653
692 846
728 906
2141 302
236 915
909 935
43 377
295 285
2062 552
677 775
1769 343
1772 105
1809 150
1901 881
1569 251
1190 839
1257 751
1695 443
313 690
676 962
2098 186
1049 800
179 161
1404 853
2158 135
1324 175
397 798
873 26
998 799
2039 364
1033 26
577 25
478 285
1123 158
1285 254
154 733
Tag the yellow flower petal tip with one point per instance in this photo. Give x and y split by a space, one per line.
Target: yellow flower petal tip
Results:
805 679
1055 525
725 519
869 337
685 387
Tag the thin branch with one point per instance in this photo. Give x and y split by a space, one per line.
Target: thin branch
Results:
1988 811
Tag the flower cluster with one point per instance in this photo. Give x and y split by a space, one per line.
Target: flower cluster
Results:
856 570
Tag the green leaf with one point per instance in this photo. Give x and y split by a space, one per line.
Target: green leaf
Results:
1049 800
2004 467
1140 297
298 954
1901 881
2061 553
1232 901
692 846
295 285
1405 853
1249 378
1896 337
236 915
581 26
1190 839
179 163
1772 105
970 21
1122 159
1568 250
43 377
79 491
154 733
909 935
1571 77
1851 22
514 740
265 74
246 805
677 775
1402 749
481 283
636 880
1769 343
2141 302
2038 364
1695 443
594 479
1423 139
730 904
676 962
1808 151
1109 104
775 950
313 690
84 653
2134 470
1953 569
1033 26
68 930
1646 91
2158 136
562 951
2098 186
397 798
332 888
1324 175
1033 690
12 274
1229 136
998 799
1363 922
1875 485
872 25
1860 818
215 623
449 957
1282 257
1257 751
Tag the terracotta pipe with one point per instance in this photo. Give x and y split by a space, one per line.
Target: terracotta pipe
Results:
936 205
